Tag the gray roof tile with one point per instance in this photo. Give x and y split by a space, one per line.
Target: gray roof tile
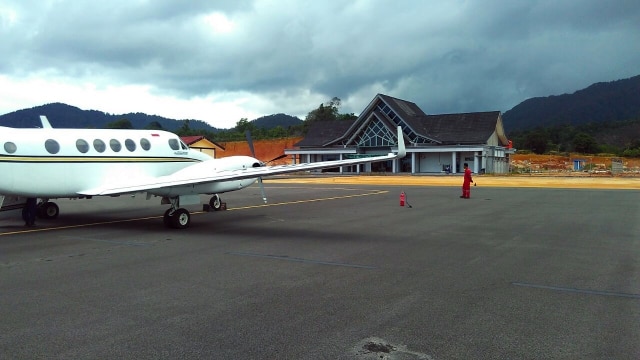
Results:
447 129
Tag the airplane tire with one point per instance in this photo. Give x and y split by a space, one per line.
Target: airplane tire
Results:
215 202
48 210
180 219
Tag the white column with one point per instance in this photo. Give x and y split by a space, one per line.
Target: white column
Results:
413 163
476 169
454 166
341 167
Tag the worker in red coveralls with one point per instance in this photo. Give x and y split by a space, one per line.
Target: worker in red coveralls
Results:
466 184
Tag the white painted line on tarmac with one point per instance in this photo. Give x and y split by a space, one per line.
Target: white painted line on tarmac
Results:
579 291
301 260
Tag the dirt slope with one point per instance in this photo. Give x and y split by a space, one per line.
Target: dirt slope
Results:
265 149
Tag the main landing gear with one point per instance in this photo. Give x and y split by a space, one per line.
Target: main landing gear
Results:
179 218
48 210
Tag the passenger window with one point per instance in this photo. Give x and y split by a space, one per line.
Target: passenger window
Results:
52 146
82 146
99 145
174 144
10 147
130 145
115 145
145 144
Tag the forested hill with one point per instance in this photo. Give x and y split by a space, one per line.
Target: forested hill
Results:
271 121
601 102
67 116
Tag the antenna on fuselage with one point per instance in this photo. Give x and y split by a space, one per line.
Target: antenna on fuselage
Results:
45 122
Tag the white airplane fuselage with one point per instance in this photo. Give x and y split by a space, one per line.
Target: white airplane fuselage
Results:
50 163
58 163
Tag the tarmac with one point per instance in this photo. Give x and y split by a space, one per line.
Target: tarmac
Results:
330 270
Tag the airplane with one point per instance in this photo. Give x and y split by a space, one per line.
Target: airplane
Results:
51 163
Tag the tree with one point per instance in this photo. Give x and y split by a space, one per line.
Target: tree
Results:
185 129
322 113
585 143
536 141
326 112
154 125
277 132
350 116
243 125
120 124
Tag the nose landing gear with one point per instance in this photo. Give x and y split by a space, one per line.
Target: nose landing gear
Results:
215 203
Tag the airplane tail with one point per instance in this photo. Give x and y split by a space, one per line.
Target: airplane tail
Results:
45 122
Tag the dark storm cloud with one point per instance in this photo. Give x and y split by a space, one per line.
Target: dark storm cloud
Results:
450 56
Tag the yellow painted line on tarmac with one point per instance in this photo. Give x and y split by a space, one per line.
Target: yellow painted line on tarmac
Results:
557 182
37 229
375 192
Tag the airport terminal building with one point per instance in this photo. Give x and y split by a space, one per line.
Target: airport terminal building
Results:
435 143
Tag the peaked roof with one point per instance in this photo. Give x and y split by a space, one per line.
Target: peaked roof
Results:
444 129
408 111
321 133
401 106
190 140
465 128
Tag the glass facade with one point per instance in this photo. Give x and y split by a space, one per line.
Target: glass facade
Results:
397 120
375 135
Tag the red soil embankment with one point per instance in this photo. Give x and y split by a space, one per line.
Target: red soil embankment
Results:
265 149
565 163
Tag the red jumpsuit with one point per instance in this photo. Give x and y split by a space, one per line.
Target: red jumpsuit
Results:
466 184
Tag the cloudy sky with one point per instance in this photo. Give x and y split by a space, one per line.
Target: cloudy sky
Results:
220 61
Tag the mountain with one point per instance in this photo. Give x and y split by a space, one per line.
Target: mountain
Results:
601 102
67 116
271 121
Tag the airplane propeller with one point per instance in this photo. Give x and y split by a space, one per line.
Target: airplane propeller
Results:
253 153
277 158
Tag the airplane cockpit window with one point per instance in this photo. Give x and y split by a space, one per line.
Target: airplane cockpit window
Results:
174 144
184 146
52 146
82 146
115 145
130 145
99 145
145 144
10 147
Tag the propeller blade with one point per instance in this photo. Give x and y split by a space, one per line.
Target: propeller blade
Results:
277 158
250 141
264 195
253 153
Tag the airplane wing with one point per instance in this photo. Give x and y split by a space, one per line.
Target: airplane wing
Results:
198 174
